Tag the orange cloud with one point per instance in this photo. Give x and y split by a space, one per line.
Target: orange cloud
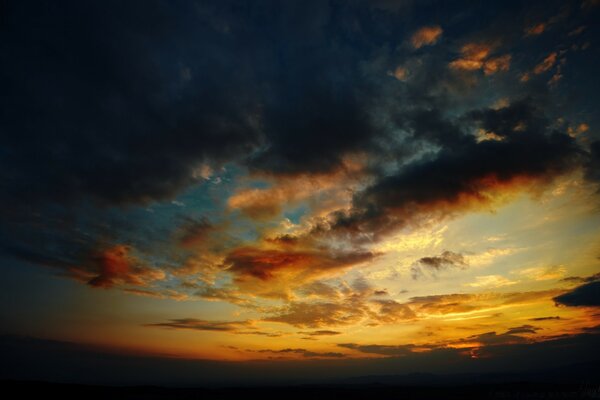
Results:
546 64
536 29
115 266
426 36
475 56
264 264
265 203
493 65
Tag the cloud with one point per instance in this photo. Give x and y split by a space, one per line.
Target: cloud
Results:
494 339
112 147
195 232
426 36
497 64
487 339
115 266
203 325
545 318
210 86
592 165
586 295
304 353
446 260
359 307
321 314
580 279
476 56
264 264
468 302
390 311
490 281
289 191
463 175
390 351
321 333
542 273
546 64
536 29
522 329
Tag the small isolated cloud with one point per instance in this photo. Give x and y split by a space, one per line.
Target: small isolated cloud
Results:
522 329
546 64
536 29
446 260
545 318
426 36
400 73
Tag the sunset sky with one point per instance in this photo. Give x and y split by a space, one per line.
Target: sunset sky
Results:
302 181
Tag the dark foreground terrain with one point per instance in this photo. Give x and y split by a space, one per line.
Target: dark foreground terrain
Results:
41 390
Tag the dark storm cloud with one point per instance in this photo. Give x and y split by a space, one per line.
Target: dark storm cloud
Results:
115 101
121 102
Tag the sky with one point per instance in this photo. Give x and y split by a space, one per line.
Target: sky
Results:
354 187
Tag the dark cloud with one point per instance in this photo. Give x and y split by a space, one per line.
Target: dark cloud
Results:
580 279
203 325
585 295
321 333
108 105
115 266
117 102
510 337
493 339
447 259
523 329
390 351
545 318
463 174
593 164
195 231
304 353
